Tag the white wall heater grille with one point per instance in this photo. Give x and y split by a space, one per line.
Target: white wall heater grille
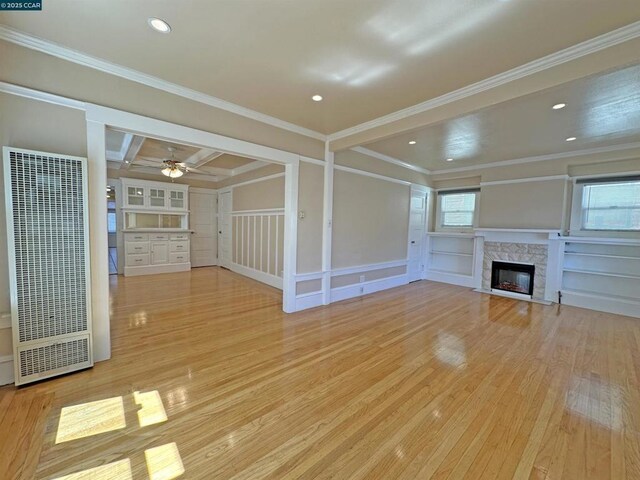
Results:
47 228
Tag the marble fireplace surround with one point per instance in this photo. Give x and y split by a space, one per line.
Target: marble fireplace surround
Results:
538 247
528 253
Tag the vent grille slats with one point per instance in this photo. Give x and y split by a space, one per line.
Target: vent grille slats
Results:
46 358
48 197
49 251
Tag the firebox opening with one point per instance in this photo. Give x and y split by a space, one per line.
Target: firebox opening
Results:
512 277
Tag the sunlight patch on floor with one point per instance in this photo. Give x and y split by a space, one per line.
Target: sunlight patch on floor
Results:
91 418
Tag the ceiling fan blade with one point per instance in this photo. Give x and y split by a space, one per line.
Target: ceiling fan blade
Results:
192 169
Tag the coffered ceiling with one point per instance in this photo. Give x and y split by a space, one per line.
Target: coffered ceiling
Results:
146 155
366 58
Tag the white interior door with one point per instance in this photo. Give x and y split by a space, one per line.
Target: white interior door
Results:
417 230
224 229
204 225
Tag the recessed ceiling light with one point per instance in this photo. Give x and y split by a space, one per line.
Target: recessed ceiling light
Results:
412 142
317 98
571 139
159 25
449 159
558 106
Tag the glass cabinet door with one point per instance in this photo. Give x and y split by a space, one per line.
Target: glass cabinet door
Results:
156 197
135 196
176 199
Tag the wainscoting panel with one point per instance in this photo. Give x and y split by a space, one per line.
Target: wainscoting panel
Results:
257 241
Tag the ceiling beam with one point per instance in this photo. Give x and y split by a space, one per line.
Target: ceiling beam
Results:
132 152
201 157
248 167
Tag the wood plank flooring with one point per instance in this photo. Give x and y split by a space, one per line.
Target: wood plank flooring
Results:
427 381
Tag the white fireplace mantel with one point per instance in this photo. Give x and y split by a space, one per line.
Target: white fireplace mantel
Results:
548 237
517 235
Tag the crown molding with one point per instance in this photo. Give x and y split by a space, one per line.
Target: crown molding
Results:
35 43
542 158
248 167
25 92
388 159
525 180
364 173
596 44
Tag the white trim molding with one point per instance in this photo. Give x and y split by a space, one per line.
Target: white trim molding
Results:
262 277
256 180
248 167
50 48
307 277
525 180
314 161
389 159
542 158
338 272
369 174
32 94
365 288
593 45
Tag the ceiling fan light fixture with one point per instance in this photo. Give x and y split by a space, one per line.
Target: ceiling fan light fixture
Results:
172 171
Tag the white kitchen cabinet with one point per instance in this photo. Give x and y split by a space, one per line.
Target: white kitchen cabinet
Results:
156 220
156 252
177 199
157 196
135 197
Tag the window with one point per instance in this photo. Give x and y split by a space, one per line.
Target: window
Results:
111 216
610 204
111 222
457 209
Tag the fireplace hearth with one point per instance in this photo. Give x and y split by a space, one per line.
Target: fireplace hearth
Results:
516 278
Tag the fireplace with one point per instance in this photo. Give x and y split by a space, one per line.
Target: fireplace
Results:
515 278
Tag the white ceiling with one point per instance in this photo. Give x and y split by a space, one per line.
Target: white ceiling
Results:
366 57
601 111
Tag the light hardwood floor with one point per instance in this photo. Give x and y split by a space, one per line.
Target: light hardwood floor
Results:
427 381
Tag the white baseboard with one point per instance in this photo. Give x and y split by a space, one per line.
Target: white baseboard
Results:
452 278
6 370
364 288
308 300
601 303
263 277
155 269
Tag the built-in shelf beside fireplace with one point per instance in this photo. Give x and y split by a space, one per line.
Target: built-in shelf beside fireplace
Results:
602 273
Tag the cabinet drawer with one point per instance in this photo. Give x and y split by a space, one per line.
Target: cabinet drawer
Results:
158 236
136 247
135 260
178 246
136 237
179 236
179 257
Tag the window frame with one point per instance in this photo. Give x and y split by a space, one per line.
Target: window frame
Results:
456 229
576 223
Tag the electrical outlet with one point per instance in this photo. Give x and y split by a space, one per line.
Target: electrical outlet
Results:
361 278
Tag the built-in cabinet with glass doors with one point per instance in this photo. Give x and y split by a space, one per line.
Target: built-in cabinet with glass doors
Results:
156 227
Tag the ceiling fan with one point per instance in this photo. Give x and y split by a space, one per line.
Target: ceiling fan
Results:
175 169
171 168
